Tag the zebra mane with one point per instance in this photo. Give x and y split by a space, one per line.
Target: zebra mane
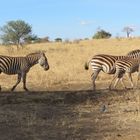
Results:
134 52
35 53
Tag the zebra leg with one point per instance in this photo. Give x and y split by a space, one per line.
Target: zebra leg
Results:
0 85
94 76
112 82
18 81
138 77
130 79
122 82
116 82
24 81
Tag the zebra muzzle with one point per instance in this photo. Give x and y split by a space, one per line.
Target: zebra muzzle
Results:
46 68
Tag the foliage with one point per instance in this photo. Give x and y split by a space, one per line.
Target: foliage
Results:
101 34
15 32
35 39
58 40
31 39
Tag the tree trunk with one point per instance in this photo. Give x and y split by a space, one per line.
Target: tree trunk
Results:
128 34
18 44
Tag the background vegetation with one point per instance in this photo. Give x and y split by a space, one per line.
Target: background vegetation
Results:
67 63
101 34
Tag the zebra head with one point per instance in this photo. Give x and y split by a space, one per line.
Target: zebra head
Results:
43 61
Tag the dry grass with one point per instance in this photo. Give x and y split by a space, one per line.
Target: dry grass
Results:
66 63
69 114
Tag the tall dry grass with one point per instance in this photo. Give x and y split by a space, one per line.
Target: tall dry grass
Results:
66 62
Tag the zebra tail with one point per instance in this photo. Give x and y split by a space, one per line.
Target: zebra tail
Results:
87 65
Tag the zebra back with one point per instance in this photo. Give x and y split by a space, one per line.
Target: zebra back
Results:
11 65
14 65
127 64
106 63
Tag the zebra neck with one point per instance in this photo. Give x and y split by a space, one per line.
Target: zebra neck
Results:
32 60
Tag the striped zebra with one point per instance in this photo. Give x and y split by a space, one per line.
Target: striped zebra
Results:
127 65
134 52
21 66
105 63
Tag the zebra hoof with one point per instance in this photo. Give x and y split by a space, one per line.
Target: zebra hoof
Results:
26 89
110 88
12 89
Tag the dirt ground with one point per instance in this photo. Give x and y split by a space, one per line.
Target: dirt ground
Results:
70 115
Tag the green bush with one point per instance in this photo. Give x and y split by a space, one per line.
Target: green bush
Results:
101 34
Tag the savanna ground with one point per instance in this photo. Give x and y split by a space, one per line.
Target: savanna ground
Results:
61 104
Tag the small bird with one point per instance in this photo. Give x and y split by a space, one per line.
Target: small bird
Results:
103 108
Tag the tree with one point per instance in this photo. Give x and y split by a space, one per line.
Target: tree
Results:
128 30
58 39
101 34
15 32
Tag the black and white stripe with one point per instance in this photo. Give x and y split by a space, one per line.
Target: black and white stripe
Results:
105 63
136 53
127 65
21 65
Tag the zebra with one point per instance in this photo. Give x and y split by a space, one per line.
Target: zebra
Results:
105 63
135 52
21 66
127 65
